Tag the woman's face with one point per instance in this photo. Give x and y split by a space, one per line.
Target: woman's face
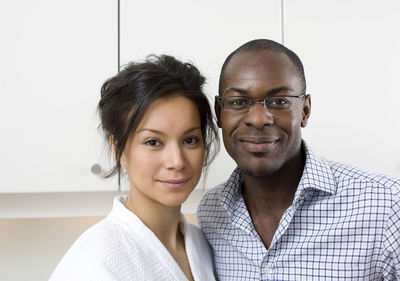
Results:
164 156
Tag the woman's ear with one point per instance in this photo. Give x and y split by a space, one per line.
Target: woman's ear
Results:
113 145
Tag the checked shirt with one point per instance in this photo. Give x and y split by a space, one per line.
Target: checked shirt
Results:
343 224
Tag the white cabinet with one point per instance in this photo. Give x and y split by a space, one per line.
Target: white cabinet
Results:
203 32
350 50
54 56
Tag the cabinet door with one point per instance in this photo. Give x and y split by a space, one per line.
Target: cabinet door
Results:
54 56
350 50
203 32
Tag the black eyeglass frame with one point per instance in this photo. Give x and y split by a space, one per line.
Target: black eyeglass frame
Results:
254 101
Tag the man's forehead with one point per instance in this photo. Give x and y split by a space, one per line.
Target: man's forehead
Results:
259 60
259 65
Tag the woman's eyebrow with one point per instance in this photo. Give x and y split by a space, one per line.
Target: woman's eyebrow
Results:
162 133
149 130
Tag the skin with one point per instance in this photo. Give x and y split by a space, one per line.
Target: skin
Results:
266 145
164 164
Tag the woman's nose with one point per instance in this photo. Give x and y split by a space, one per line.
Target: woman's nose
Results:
174 158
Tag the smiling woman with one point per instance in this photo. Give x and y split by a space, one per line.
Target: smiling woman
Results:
160 128
164 162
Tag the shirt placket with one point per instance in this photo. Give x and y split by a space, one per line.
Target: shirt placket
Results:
267 269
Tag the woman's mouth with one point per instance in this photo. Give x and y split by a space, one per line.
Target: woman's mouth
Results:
174 183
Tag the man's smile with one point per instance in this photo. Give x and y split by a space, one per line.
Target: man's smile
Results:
258 143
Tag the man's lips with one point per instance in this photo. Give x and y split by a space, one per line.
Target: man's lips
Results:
174 183
258 144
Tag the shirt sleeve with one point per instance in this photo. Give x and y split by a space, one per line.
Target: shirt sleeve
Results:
391 249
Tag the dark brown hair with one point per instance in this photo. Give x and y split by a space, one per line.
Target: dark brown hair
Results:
126 97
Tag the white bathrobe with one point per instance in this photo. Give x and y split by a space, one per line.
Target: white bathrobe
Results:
121 247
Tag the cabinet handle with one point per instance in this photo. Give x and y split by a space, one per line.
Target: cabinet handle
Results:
96 169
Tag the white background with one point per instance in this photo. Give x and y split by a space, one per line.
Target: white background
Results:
56 54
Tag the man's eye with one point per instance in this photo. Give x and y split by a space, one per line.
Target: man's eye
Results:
153 142
237 102
279 101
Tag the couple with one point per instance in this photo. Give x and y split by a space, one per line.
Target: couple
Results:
284 214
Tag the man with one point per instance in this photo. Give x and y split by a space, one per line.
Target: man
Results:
285 213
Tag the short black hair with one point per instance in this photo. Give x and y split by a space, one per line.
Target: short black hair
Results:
258 45
126 97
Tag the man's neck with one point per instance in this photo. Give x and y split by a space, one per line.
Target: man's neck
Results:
275 191
268 197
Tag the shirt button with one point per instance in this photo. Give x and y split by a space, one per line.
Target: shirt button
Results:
267 270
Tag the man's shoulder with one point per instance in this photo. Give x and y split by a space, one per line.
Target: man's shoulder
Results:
210 207
213 193
372 188
212 199
346 172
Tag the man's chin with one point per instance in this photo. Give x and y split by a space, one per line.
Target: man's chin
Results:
257 171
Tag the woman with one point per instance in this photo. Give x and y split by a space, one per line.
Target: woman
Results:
159 125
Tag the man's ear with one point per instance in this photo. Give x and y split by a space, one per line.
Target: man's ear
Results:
306 110
217 108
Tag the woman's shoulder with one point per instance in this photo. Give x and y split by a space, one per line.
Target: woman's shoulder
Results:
95 255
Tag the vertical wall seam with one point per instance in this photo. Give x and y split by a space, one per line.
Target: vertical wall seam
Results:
119 60
119 35
282 23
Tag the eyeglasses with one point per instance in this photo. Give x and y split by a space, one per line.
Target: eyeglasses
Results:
240 103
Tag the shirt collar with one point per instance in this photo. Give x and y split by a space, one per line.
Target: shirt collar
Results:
231 192
317 175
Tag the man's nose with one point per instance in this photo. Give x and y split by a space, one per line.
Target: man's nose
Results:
259 116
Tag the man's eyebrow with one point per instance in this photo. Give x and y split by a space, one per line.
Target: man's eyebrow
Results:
236 90
162 133
270 92
277 90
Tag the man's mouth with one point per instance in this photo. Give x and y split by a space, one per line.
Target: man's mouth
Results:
258 144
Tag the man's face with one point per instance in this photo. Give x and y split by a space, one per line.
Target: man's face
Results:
260 140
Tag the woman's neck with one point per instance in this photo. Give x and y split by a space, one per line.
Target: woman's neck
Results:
162 220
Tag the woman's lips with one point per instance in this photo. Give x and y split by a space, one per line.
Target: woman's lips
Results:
174 184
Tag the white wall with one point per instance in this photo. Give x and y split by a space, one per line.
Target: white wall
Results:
350 52
31 248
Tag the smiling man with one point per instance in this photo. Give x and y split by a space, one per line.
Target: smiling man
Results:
285 213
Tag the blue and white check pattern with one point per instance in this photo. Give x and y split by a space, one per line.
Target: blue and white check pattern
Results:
344 224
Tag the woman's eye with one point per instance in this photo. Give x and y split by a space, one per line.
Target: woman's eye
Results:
191 140
153 142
